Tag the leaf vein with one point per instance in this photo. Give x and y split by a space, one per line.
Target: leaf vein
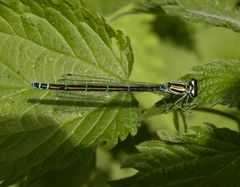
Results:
6 21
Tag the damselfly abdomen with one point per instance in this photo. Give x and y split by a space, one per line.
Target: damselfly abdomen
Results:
92 84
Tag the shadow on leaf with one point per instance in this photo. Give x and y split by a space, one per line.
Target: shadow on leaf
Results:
86 103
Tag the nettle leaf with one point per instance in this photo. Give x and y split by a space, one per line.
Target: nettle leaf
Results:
218 83
223 13
40 41
208 156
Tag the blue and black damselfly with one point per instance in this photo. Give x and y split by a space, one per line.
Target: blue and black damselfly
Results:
71 82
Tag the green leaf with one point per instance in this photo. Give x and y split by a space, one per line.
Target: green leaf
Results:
223 13
208 156
40 41
218 83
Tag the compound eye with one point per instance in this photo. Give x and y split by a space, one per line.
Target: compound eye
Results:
194 88
193 93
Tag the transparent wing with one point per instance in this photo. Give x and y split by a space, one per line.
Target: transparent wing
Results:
86 97
79 79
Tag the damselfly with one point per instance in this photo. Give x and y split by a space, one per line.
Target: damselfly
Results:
71 82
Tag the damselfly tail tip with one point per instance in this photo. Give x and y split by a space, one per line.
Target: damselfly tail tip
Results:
32 85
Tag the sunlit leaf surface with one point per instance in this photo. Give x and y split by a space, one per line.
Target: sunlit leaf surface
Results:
40 130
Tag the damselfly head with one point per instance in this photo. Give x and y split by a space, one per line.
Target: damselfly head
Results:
193 87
